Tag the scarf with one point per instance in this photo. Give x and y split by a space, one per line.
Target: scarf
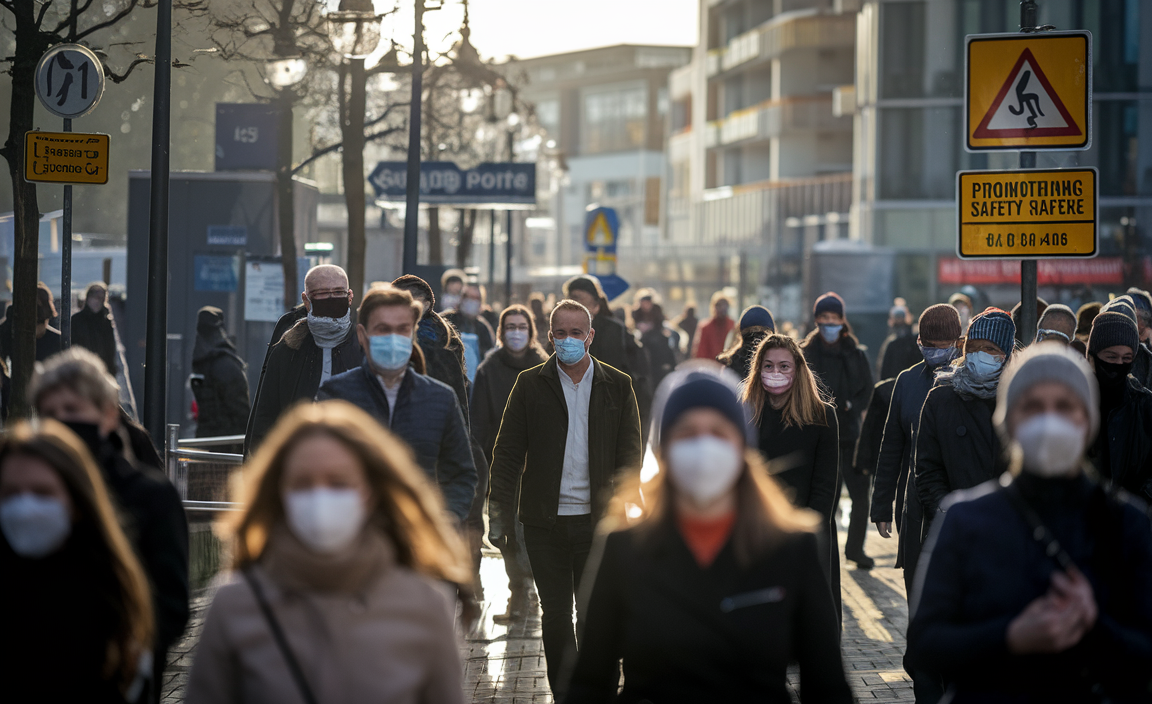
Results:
352 570
960 378
329 332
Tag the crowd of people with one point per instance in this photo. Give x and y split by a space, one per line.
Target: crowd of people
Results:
391 434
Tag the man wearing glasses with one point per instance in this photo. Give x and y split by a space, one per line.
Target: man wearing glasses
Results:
320 345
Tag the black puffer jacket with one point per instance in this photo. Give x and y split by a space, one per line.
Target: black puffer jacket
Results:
844 370
494 381
221 384
1128 430
957 447
899 351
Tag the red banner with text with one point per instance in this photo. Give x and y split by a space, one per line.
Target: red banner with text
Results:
1050 272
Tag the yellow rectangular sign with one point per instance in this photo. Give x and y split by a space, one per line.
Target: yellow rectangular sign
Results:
66 157
1028 91
1027 214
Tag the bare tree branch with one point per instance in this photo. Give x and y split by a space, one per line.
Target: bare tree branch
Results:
340 145
121 77
43 11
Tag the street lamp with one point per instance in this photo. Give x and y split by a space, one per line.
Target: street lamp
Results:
282 73
355 31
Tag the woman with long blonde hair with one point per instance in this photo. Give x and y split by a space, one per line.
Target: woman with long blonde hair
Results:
78 624
348 574
716 587
798 436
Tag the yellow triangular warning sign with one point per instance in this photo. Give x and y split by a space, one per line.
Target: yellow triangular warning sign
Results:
599 234
1026 106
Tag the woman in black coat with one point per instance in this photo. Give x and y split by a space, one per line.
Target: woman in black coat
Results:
755 324
220 381
798 436
1038 589
718 587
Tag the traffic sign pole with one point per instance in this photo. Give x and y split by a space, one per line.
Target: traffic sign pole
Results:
66 263
1028 275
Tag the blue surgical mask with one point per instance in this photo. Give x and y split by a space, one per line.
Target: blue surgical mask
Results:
569 350
982 365
390 352
935 357
35 526
830 333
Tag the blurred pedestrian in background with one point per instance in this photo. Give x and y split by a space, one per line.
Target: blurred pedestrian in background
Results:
1041 306
712 333
609 346
220 379
660 344
540 317
756 323
1037 588
798 432
78 621
688 322
451 289
570 434
442 348
92 326
74 388
1142 364
519 350
956 445
346 570
390 385
718 587
840 362
964 308
1085 314
1058 324
473 329
1143 302
47 337
315 348
900 349
1122 453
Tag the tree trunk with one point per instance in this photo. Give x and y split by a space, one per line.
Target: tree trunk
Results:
285 199
467 227
435 242
29 47
353 163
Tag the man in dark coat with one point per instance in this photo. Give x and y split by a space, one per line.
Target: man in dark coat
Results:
899 350
282 326
571 429
840 362
609 346
219 381
317 347
420 410
75 389
92 326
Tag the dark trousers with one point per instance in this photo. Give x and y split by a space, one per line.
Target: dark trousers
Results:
557 555
859 488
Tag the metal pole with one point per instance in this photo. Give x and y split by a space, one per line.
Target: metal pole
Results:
491 252
156 351
508 230
412 188
1028 276
66 264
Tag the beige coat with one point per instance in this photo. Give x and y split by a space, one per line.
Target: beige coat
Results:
363 629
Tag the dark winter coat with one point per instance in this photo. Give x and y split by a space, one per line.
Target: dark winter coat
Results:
293 374
609 345
1142 366
94 331
444 356
494 381
427 417
872 430
1128 432
718 634
282 326
530 446
48 344
658 348
222 387
983 567
806 462
477 326
898 352
957 447
844 370
895 480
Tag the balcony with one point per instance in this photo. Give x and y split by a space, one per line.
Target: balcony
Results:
775 119
802 30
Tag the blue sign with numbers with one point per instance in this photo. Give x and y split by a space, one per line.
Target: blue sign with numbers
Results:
246 136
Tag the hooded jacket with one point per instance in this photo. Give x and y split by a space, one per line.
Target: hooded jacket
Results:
844 370
222 389
495 378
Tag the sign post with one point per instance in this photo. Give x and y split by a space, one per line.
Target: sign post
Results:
1030 91
69 84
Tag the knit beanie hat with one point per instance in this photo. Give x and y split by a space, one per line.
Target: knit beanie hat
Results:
1048 361
1085 315
1142 299
702 390
1112 328
1121 304
829 303
757 317
997 327
939 323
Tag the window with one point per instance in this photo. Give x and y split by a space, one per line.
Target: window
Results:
614 118
548 115
919 153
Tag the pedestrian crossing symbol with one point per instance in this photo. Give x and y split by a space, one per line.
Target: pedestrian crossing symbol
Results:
600 234
1029 91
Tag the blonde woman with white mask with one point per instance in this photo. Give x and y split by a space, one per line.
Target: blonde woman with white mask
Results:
347 571
1038 587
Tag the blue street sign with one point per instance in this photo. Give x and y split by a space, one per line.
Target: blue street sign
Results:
246 136
613 285
601 230
445 183
213 273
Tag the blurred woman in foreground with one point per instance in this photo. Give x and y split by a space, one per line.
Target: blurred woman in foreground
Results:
347 574
78 623
718 586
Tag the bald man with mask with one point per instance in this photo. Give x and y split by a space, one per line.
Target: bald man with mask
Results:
318 346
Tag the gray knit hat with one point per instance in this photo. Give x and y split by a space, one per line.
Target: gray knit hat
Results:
1112 328
1048 361
1121 304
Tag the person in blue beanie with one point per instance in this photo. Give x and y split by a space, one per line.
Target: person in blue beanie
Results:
755 324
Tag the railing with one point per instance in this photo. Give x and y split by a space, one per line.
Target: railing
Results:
198 473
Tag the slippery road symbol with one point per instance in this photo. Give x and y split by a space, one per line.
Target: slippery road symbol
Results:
1031 101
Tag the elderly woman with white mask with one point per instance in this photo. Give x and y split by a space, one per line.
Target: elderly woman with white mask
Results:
1038 588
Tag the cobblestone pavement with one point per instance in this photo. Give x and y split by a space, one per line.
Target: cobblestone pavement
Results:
505 664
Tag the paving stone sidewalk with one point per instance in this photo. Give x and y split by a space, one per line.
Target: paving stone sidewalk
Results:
505 664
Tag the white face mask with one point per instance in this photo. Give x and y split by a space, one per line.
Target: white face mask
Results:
775 382
326 520
1052 445
704 467
35 526
516 339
